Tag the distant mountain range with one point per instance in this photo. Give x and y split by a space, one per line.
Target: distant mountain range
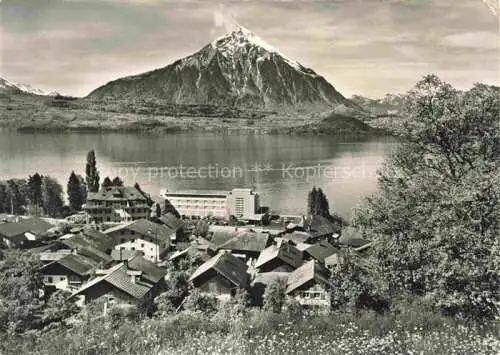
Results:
7 87
238 69
236 82
390 104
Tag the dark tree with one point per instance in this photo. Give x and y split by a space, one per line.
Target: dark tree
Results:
148 198
16 197
76 192
117 181
91 173
158 210
35 189
434 223
107 182
52 193
317 203
169 208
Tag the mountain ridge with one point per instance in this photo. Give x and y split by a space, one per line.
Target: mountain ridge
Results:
236 69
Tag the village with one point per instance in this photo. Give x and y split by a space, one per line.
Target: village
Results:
123 248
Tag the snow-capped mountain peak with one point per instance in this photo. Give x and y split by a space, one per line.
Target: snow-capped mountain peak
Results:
240 37
6 85
238 69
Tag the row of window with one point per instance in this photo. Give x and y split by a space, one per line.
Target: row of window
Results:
198 207
164 245
211 202
50 279
313 294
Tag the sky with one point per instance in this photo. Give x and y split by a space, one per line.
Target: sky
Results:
362 47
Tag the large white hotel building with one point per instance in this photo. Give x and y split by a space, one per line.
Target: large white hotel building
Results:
241 203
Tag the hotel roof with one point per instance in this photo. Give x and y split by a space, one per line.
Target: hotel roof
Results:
116 193
196 193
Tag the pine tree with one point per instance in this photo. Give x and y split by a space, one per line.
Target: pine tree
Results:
35 189
76 194
92 175
107 182
148 198
117 181
158 210
317 203
311 201
323 207
52 196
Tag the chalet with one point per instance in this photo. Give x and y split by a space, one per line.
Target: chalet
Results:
125 283
152 239
151 272
353 238
320 251
297 237
283 257
333 261
175 224
68 272
310 286
247 245
88 242
117 204
24 233
222 276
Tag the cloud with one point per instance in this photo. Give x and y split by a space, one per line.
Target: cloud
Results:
477 40
222 18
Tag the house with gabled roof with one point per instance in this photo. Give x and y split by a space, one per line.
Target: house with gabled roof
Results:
282 257
152 239
150 271
174 223
320 251
354 238
68 272
24 232
310 285
128 282
297 237
222 275
247 244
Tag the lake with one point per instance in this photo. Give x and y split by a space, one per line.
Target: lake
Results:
282 169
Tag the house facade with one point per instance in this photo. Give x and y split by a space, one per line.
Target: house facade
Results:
24 232
67 273
309 286
152 239
221 276
279 258
116 204
129 282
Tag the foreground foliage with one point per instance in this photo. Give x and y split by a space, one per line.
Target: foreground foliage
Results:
434 222
259 332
